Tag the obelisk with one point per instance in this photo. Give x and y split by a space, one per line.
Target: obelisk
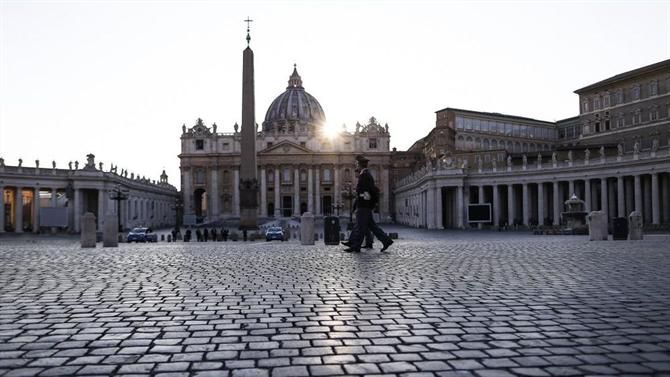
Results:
248 181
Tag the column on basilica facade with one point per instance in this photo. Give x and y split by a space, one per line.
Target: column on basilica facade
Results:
655 200
236 192
2 207
665 198
439 223
480 200
525 203
603 197
466 202
264 193
277 193
337 198
511 213
587 195
310 191
496 206
540 203
557 206
317 190
187 192
213 194
296 191
621 197
428 201
638 194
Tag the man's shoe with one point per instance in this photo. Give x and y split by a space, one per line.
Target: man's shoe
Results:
346 243
367 247
386 245
350 249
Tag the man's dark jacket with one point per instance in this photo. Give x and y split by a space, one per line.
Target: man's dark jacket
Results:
366 184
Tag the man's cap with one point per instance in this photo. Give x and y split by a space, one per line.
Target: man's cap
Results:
361 158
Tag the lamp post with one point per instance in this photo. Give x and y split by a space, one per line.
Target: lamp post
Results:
178 207
119 194
349 195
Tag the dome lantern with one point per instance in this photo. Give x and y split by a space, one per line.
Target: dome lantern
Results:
294 81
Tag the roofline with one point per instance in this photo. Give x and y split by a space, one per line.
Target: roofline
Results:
626 75
567 119
499 115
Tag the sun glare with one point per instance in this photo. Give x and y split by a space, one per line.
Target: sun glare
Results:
331 131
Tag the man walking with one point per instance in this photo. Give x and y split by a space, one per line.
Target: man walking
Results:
367 196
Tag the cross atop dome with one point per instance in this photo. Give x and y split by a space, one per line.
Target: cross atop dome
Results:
295 81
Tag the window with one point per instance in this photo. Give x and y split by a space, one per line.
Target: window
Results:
653 88
226 146
619 97
269 144
199 176
468 123
653 114
271 175
596 103
326 175
303 176
585 106
459 123
636 92
286 175
606 100
303 144
372 143
199 145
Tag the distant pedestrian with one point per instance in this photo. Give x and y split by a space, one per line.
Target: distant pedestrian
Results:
213 233
198 235
205 234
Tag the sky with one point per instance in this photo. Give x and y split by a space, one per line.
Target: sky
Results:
119 78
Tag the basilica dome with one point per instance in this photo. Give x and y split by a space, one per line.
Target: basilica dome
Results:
294 107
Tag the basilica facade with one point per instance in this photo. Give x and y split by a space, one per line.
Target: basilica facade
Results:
301 166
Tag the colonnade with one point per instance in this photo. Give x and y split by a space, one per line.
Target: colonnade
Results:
440 198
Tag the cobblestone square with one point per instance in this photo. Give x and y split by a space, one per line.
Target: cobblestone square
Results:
439 303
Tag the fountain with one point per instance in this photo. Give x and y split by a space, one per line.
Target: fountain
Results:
574 217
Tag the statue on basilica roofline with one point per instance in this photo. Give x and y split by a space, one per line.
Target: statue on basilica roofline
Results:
2 162
570 155
236 127
602 151
53 164
214 127
554 158
587 154
654 145
386 127
37 164
100 166
20 162
636 147
183 128
619 148
494 162
76 165
509 161
69 164
539 159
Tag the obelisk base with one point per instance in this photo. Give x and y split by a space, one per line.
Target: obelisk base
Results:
248 219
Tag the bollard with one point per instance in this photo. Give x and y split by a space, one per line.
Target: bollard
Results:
635 226
88 234
162 237
110 234
307 229
597 226
169 238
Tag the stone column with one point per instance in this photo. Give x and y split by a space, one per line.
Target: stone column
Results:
2 209
620 197
496 206
310 191
264 193
571 188
665 195
655 200
54 198
236 192
587 194
603 197
526 203
428 211
540 204
296 192
77 210
36 210
466 201
336 185
277 192
386 195
511 211
459 208
214 211
480 200
439 224
317 190
638 194
187 193
101 209
557 206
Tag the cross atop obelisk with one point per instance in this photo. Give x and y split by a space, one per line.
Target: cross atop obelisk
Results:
248 21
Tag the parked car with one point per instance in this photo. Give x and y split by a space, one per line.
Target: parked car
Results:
274 233
142 234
